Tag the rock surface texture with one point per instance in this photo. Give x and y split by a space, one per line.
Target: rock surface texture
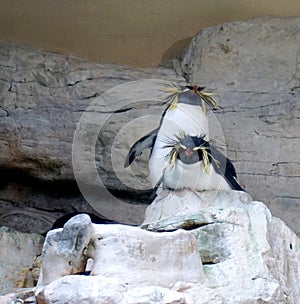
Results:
255 67
211 247
18 255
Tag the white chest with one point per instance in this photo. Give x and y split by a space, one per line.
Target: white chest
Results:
187 118
193 176
183 118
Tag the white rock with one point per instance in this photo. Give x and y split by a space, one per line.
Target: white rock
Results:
145 258
102 290
248 256
63 251
169 204
82 289
246 252
153 295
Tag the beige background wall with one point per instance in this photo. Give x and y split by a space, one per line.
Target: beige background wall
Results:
136 33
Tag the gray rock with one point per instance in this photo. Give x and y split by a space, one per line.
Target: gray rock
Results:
24 295
42 98
64 248
255 67
17 255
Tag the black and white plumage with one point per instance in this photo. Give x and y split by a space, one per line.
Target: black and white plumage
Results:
186 112
194 163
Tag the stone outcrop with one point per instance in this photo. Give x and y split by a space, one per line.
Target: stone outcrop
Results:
254 65
248 256
200 247
64 249
19 259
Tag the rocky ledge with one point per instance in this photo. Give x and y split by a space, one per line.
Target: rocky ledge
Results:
193 248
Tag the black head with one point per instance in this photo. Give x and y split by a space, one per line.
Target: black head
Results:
195 96
190 97
189 149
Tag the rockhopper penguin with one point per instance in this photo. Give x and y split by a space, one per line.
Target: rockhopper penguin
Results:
194 163
186 113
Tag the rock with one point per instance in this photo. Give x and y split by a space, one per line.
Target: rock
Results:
135 255
81 289
128 263
126 252
173 208
241 255
63 251
106 290
244 259
18 253
255 67
24 295
43 96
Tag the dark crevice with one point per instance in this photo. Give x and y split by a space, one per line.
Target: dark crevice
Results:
91 96
78 81
123 110
68 188
4 110
56 187
209 263
191 225
187 225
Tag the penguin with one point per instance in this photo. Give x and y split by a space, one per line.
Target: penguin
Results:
196 164
186 111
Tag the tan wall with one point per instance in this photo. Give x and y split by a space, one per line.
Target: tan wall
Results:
136 33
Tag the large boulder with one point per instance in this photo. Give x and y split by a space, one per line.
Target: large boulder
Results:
64 249
248 255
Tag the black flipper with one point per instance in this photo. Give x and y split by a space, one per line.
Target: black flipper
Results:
139 146
160 181
225 167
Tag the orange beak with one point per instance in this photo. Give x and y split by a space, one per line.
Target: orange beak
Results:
188 152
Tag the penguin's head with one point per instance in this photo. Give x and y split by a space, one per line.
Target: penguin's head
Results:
192 149
192 95
189 149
